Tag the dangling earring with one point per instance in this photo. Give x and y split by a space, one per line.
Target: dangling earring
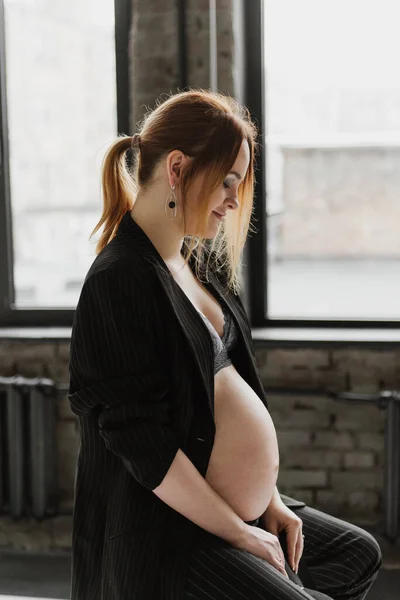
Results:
170 202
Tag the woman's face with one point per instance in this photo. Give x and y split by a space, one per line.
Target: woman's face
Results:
225 198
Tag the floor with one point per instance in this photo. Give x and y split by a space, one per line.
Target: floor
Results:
24 576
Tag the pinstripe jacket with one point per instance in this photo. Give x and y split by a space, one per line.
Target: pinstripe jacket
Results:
142 386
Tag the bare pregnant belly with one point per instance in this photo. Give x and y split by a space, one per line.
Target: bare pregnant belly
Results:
244 461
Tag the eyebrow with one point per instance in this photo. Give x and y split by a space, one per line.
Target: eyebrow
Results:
235 173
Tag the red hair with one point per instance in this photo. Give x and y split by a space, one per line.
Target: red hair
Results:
209 127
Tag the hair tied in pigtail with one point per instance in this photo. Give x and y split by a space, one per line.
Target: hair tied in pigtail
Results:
135 141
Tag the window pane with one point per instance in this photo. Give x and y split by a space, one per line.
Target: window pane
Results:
333 157
61 97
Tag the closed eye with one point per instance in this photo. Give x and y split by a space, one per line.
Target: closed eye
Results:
226 185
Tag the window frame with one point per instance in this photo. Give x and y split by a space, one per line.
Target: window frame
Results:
257 270
256 245
10 316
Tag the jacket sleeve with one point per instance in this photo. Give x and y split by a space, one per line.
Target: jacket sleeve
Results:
116 375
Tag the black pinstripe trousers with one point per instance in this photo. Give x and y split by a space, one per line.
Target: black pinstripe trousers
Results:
343 560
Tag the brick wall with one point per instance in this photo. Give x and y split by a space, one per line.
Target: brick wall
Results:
331 454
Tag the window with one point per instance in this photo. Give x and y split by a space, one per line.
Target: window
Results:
59 113
329 201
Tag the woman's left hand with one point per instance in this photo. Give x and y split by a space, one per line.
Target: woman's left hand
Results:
278 517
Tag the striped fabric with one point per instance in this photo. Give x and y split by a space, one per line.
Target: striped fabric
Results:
342 558
142 386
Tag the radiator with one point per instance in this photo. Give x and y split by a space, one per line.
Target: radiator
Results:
28 457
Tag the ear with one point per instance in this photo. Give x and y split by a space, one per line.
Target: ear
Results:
176 162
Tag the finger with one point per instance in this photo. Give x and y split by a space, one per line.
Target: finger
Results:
281 567
299 550
282 559
281 553
279 549
292 537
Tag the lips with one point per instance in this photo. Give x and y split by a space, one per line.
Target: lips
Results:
218 215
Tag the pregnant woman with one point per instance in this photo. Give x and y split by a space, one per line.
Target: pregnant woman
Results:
175 488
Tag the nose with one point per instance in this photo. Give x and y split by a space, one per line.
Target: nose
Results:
233 203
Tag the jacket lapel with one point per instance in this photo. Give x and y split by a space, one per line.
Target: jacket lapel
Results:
195 332
192 325
246 364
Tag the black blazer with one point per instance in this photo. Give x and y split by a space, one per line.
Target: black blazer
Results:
142 386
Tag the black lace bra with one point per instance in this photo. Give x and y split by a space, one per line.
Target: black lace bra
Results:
222 345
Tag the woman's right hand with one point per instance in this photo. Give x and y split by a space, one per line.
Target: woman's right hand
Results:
263 544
